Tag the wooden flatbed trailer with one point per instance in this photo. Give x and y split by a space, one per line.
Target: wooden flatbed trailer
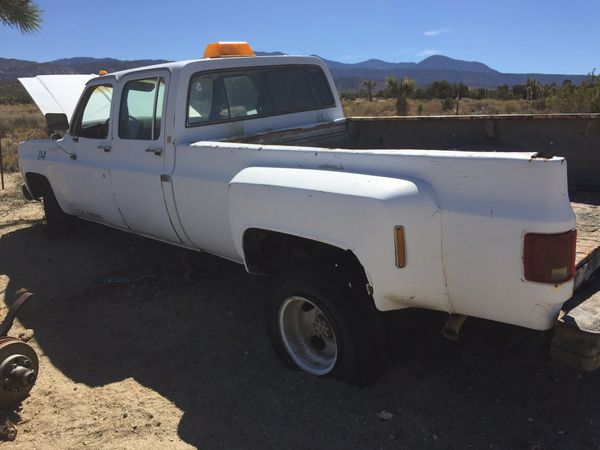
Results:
577 333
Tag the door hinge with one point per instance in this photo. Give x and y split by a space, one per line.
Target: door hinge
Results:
165 178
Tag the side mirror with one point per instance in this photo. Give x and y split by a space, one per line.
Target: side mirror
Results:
57 123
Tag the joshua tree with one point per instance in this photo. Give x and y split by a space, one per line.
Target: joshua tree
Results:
401 90
25 15
534 89
460 91
369 85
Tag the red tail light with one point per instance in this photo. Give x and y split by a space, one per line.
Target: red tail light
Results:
550 258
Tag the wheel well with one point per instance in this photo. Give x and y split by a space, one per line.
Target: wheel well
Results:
37 184
267 252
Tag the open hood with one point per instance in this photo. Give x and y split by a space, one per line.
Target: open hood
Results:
56 93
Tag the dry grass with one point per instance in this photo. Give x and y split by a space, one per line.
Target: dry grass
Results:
19 123
386 107
363 107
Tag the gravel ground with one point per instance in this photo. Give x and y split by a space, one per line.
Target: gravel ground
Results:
145 345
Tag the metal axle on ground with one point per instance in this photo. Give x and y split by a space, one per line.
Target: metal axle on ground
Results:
19 364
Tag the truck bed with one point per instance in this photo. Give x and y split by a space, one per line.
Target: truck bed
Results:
443 133
577 332
574 136
555 135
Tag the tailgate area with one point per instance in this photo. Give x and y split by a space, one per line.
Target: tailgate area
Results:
576 339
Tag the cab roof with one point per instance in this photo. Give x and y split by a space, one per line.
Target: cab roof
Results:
211 63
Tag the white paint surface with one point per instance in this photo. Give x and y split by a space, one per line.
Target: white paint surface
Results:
56 93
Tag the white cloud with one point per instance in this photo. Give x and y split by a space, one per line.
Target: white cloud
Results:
426 53
437 32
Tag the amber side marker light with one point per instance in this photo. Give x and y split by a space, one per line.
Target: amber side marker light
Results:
222 49
400 246
549 258
102 72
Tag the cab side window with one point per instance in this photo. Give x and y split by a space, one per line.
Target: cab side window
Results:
140 114
93 115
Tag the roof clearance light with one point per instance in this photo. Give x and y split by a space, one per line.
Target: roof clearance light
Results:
224 49
102 72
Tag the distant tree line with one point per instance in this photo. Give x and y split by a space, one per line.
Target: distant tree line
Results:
568 97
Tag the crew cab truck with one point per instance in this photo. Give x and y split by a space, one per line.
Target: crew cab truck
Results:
251 159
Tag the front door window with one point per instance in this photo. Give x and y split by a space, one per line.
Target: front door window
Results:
92 119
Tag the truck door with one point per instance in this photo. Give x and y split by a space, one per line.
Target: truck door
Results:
86 177
138 168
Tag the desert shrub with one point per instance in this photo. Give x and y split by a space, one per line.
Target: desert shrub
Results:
582 99
512 107
447 104
13 93
362 107
539 104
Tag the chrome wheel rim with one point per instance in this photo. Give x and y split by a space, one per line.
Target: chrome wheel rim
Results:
307 335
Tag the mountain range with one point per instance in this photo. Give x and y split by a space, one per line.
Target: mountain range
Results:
348 77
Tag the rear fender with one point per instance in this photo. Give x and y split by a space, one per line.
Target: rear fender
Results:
355 212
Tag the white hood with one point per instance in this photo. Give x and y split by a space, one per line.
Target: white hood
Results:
56 93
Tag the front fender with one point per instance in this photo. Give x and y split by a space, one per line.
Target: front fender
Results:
356 212
44 157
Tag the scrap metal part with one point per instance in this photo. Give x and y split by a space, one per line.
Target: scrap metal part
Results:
576 339
12 313
19 367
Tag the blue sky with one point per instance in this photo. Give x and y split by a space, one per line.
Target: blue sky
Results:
511 36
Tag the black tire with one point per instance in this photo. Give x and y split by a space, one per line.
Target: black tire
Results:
350 311
58 223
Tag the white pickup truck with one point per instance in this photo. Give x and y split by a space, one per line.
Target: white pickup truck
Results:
251 159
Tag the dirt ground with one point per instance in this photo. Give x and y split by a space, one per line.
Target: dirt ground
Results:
143 345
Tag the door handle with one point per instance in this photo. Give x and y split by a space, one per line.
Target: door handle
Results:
106 148
156 150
